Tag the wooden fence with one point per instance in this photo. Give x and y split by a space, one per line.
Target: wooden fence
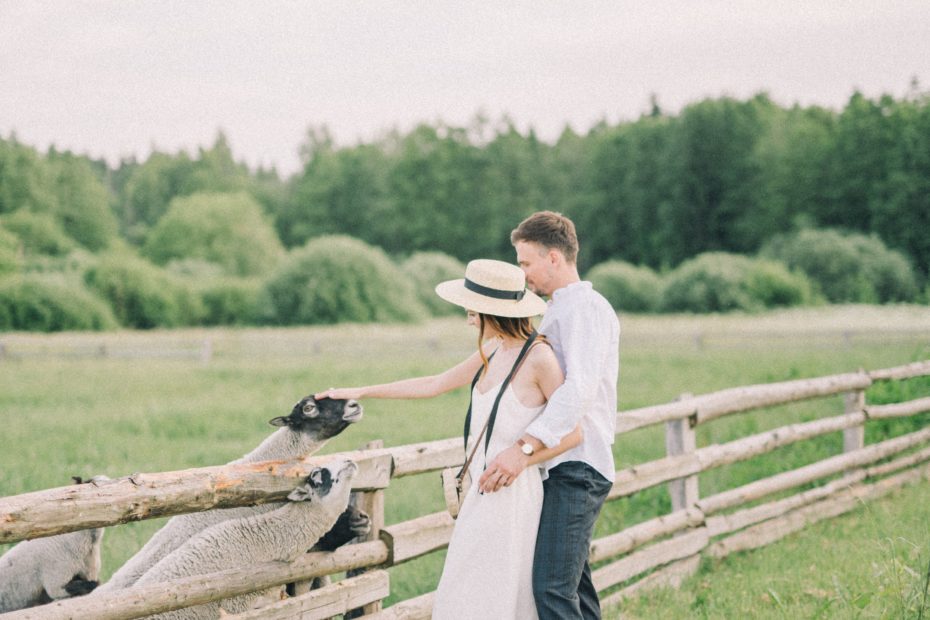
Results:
664 549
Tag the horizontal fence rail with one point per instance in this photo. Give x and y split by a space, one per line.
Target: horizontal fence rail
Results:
668 547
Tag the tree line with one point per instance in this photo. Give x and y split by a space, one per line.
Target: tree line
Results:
722 175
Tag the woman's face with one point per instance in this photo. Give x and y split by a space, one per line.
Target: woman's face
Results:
473 319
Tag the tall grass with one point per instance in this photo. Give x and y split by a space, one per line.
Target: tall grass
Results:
65 411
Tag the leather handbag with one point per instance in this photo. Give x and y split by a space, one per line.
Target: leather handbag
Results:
456 481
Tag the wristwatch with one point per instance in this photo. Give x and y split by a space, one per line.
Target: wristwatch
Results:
526 448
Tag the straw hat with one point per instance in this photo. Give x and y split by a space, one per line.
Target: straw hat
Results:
492 287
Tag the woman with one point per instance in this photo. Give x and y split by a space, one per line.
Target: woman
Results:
489 565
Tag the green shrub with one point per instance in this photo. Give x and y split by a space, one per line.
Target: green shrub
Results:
227 229
627 287
37 303
721 282
426 270
847 267
773 285
40 233
195 269
9 252
335 279
230 301
73 264
142 295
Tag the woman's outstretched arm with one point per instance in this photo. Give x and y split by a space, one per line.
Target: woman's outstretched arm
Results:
417 387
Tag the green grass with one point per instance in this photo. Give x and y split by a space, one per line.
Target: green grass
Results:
66 411
871 563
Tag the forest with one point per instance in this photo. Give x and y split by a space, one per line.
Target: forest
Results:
726 205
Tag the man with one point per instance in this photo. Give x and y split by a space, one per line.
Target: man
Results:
585 335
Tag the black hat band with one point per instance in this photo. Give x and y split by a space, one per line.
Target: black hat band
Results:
496 293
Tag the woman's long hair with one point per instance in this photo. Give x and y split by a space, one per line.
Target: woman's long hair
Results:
515 327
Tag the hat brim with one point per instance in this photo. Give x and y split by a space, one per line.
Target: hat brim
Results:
454 291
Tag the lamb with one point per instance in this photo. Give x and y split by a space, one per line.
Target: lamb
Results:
42 570
309 425
283 534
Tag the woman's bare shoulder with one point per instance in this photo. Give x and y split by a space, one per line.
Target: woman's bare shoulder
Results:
542 357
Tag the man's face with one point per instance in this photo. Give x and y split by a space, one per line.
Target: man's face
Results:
537 263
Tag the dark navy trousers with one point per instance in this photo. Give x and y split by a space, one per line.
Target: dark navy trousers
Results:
562 586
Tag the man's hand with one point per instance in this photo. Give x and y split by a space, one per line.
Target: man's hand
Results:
503 470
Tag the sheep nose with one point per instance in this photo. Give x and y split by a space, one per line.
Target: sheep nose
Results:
353 410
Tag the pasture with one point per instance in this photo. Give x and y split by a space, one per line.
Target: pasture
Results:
118 403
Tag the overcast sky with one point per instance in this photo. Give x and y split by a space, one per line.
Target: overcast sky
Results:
115 78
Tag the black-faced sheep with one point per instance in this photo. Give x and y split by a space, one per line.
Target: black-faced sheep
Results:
282 534
42 570
309 425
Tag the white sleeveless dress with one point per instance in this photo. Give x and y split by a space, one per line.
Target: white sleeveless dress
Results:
488 572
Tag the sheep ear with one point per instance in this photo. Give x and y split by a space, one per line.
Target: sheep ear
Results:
302 493
278 421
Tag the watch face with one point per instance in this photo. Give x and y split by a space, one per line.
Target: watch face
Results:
527 449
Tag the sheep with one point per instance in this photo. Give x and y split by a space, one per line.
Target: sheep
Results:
42 570
282 535
350 525
303 432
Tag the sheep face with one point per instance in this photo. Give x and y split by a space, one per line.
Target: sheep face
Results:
322 418
332 481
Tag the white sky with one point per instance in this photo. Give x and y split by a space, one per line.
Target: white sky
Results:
117 77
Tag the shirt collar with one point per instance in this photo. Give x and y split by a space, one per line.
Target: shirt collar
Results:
568 289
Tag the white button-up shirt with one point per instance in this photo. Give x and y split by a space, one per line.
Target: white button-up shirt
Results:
585 334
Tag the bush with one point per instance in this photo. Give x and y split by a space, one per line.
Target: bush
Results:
227 229
720 282
73 264
230 301
9 252
773 285
335 279
36 303
427 269
627 287
847 267
142 295
39 233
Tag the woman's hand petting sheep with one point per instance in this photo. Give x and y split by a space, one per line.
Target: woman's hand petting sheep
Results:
340 393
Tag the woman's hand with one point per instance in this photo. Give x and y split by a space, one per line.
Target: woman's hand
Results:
340 394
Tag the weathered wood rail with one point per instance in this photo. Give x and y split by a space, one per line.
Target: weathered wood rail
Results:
670 545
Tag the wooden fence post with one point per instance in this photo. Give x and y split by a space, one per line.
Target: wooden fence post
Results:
372 503
854 438
680 438
206 350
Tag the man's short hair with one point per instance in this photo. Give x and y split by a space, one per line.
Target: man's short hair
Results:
551 230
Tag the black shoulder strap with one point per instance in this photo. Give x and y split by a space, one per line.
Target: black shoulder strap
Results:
493 415
474 382
513 371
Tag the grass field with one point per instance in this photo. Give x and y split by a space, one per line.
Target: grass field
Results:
871 563
83 404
